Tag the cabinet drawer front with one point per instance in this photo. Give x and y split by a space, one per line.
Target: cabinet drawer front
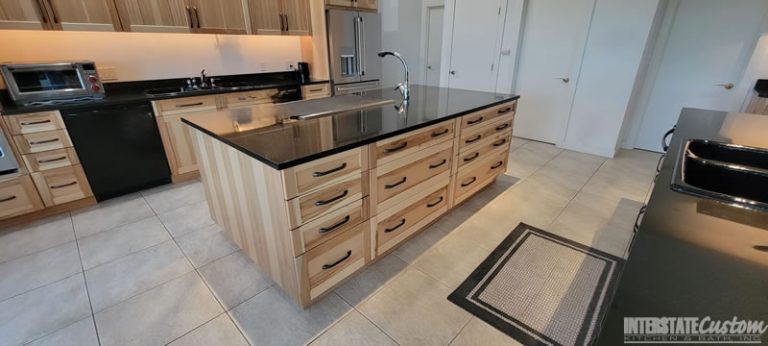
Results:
471 180
316 174
475 137
34 122
18 196
401 146
43 141
482 117
335 260
186 105
315 91
489 147
327 227
48 160
402 179
62 185
401 224
305 208
248 98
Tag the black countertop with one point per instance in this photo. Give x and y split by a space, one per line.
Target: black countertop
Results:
694 257
259 132
130 92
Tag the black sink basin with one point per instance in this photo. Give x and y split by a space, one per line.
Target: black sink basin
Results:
726 172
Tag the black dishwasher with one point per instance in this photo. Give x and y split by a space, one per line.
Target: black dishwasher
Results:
119 148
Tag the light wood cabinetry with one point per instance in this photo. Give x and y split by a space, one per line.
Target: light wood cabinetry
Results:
83 15
365 5
18 196
155 15
248 98
42 141
218 16
280 17
52 159
35 122
62 185
315 91
23 14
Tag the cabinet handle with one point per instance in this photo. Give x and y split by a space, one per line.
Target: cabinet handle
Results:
434 204
334 199
44 141
390 230
397 148
472 157
638 219
190 105
334 170
472 122
438 164
502 126
504 111
500 142
329 266
335 226
469 182
287 25
7 199
27 123
315 90
53 12
438 134
497 165
477 138
762 248
63 185
392 186
197 16
52 160
189 16
664 143
43 17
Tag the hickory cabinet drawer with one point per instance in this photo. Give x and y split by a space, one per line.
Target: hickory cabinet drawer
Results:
410 175
319 173
315 91
249 98
328 226
395 228
34 122
328 264
43 141
401 146
489 147
307 207
485 116
476 136
18 196
186 105
477 175
62 185
52 159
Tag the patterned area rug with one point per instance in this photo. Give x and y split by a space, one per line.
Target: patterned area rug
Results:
542 289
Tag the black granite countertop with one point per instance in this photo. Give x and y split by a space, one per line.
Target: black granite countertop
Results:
695 257
259 132
130 92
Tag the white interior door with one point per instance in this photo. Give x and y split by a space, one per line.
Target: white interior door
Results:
705 55
553 39
432 41
477 27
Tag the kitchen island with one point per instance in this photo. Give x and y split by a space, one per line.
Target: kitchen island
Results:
315 201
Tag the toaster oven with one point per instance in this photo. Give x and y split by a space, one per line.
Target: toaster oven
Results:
52 82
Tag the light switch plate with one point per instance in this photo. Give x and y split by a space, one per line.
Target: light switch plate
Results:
108 74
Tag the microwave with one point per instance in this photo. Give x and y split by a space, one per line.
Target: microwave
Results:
52 82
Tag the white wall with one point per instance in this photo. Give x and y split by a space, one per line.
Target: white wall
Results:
612 58
401 32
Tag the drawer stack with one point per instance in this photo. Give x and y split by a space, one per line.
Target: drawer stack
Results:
49 156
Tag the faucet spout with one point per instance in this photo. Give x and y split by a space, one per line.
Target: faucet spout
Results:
403 87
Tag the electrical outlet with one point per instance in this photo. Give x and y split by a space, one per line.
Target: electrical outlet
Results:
108 74
289 66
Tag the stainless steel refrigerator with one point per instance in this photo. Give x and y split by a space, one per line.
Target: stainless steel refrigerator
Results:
354 40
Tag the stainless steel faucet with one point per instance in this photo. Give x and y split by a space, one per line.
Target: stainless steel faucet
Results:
203 82
403 87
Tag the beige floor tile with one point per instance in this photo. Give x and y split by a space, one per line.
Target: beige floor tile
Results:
418 245
33 271
523 162
110 245
361 286
234 279
478 332
353 329
543 149
160 315
219 331
205 245
169 197
186 219
517 142
80 333
619 183
110 214
413 310
451 261
35 237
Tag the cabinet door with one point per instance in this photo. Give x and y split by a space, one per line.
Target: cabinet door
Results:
181 157
367 4
83 15
154 15
219 16
343 3
23 14
265 17
296 14
18 196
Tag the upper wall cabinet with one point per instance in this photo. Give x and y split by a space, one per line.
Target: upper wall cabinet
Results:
370 5
84 15
218 16
280 17
23 14
155 15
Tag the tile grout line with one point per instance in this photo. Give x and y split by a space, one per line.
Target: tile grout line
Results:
354 307
85 280
461 330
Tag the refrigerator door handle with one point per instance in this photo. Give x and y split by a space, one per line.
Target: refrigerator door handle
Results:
362 47
359 44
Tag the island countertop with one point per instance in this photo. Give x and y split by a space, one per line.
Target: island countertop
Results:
261 132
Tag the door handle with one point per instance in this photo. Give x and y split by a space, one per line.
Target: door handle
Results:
53 12
727 86
453 72
565 80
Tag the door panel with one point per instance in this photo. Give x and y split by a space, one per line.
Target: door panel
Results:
342 41
297 14
22 14
709 44
87 15
265 16
434 45
154 15
220 16
552 45
474 47
371 46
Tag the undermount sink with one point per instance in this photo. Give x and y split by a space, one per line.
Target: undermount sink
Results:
726 172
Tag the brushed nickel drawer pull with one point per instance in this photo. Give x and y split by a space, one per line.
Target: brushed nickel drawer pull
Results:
334 170
762 248
472 122
329 266
63 185
397 148
438 164
434 204
7 199
334 199
392 186
27 123
190 105
390 230
477 138
44 141
469 182
52 160
502 126
474 156
497 165
316 90
335 226
504 110
438 134
500 142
